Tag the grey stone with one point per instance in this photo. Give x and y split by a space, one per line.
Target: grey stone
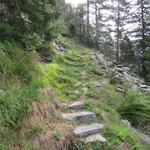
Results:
103 67
92 53
119 89
60 45
143 86
2 92
79 116
97 85
93 57
126 123
95 138
119 86
126 68
145 90
100 57
120 75
85 89
120 65
119 70
135 87
99 73
77 105
144 138
88 129
77 92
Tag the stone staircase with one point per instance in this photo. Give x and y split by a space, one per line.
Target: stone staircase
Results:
84 128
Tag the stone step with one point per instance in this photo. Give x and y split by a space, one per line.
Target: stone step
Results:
79 116
77 105
95 138
88 129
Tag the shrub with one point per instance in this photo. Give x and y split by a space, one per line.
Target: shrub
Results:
114 79
37 43
136 108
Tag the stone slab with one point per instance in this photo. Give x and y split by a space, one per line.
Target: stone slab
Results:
88 129
77 105
95 138
85 115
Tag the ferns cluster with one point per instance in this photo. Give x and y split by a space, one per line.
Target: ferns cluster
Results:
136 108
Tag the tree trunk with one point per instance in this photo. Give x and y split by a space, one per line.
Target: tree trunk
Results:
118 25
96 21
80 33
143 23
88 22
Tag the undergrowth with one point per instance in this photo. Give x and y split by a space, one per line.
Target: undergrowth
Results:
118 137
136 108
70 74
18 73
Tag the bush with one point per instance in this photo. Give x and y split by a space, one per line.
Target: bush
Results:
35 42
136 108
114 79
14 61
117 134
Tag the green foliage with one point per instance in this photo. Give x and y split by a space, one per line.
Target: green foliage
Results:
31 23
18 72
9 31
114 79
57 136
14 61
27 145
5 29
33 41
34 129
136 108
29 15
117 134
68 74
14 104
103 110
60 78
127 53
80 145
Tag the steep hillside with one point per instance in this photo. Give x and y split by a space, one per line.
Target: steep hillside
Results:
34 96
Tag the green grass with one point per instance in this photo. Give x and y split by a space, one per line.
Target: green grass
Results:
136 108
18 74
57 136
68 74
104 102
117 134
35 129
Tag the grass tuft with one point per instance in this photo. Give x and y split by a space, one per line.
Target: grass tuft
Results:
136 108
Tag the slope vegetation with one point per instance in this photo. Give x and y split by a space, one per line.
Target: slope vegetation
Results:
29 120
